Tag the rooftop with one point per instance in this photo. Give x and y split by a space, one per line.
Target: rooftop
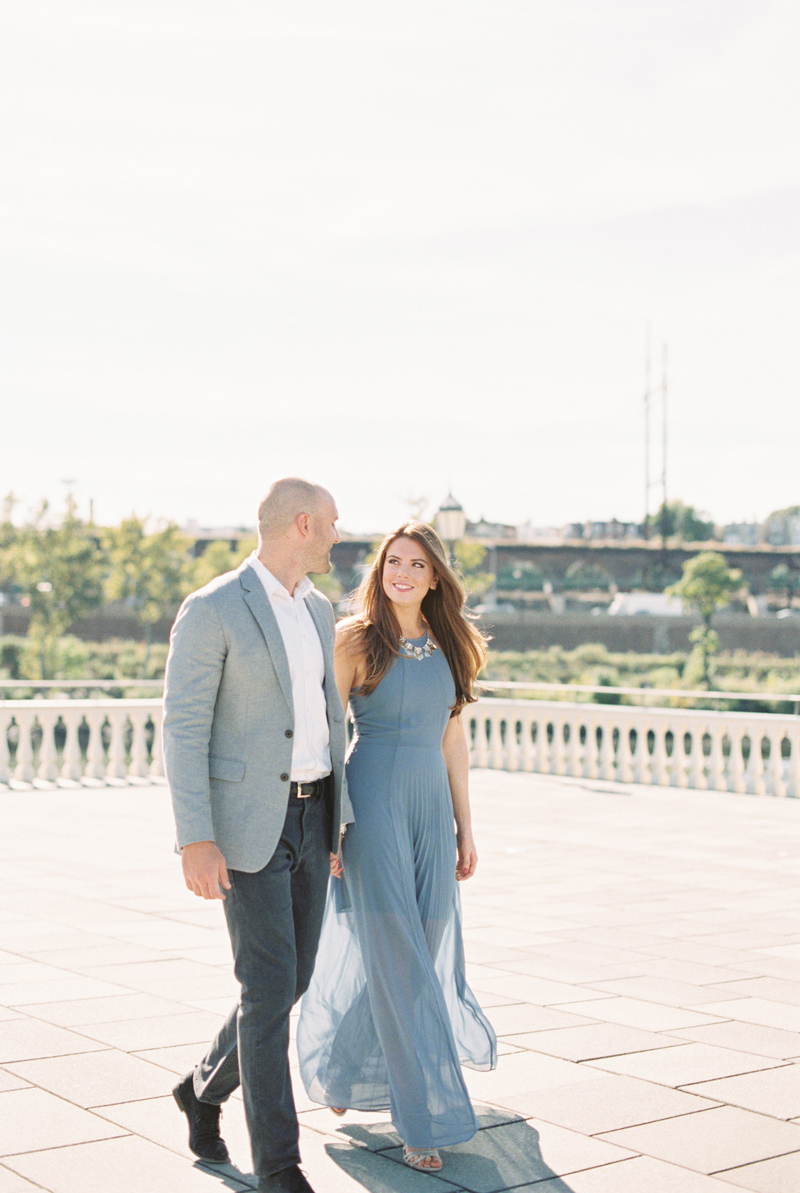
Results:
638 951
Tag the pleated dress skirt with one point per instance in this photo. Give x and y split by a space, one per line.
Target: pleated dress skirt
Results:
389 1020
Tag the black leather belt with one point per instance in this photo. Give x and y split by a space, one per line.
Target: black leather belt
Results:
306 790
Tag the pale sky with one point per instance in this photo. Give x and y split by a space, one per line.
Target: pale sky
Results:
398 248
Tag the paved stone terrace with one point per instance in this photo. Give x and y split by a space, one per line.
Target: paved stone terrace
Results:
638 951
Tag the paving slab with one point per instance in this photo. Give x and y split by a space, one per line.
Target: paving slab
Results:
32 1119
94 1078
774 1091
780 1175
605 1104
594 1040
126 1165
713 1140
746 1037
639 1175
685 1064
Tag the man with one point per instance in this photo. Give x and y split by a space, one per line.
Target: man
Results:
254 740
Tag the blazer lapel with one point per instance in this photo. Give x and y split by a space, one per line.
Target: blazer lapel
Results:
326 641
259 605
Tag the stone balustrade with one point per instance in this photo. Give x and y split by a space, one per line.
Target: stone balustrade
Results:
757 753
96 742
89 742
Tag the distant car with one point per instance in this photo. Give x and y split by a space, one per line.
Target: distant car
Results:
654 604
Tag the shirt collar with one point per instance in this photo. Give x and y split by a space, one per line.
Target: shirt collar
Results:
273 586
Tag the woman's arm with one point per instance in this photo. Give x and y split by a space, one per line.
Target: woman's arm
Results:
456 757
347 663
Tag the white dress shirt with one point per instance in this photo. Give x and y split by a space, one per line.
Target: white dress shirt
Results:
311 753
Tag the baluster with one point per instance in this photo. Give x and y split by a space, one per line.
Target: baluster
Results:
574 748
793 735
591 769
761 769
47 770
659 767
752 774
625 767
528 752
738 767
540 757
71 761
512 745
680 761
118 719
607 760
481 740
138 766
717 771
5 721
23 772
95 754
776 762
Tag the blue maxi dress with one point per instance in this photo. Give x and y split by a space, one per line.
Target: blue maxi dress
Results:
389 1019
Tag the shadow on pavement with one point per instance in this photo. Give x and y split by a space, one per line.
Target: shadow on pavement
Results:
496 1159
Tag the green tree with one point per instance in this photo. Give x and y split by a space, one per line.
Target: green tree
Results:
707 585
150 573
785 579
59 569
678 520
471 558
219 557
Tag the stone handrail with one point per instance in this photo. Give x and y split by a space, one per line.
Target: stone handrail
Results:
88 742
96 742
737 751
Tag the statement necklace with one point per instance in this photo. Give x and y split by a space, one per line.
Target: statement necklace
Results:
409 651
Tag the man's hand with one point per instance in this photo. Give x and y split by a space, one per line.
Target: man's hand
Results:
337 869
204 870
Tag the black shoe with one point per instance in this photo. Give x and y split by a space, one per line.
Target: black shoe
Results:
288 1180
204 1137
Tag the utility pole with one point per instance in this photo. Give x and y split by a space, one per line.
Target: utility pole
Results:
664 513
647 434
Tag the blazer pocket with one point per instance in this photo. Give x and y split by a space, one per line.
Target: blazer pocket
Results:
231 769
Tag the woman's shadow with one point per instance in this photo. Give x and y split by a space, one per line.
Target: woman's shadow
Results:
503 1155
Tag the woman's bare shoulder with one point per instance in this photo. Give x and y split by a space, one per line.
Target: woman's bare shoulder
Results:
348 635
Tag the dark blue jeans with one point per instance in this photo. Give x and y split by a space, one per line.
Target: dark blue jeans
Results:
274 918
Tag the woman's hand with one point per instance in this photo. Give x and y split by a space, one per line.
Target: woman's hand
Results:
467 856
337 869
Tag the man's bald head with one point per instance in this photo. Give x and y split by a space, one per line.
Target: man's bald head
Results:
284 502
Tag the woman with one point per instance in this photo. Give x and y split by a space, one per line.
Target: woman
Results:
388 1019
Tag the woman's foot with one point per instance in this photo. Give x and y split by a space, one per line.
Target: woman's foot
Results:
424 1159
340 1110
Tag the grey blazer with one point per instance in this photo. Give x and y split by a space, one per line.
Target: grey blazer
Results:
229 720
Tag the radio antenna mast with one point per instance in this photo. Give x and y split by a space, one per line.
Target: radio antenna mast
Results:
647 433
664 446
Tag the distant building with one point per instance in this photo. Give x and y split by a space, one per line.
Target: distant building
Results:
491 530
745 534
783 530
528 533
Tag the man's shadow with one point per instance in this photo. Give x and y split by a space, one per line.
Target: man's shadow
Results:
504 1154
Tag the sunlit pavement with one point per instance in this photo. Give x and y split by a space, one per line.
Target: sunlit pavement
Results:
638 951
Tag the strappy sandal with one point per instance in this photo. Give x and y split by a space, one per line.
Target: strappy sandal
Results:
414 1156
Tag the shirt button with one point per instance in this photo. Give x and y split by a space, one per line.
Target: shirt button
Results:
288 733
284 778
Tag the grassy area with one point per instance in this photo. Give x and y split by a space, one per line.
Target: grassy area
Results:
75 659
734 671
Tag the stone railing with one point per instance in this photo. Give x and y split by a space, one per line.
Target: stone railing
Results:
745 752
90 742
95 742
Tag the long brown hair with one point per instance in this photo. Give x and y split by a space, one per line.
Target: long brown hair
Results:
376 630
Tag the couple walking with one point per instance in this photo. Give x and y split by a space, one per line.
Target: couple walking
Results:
254 739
